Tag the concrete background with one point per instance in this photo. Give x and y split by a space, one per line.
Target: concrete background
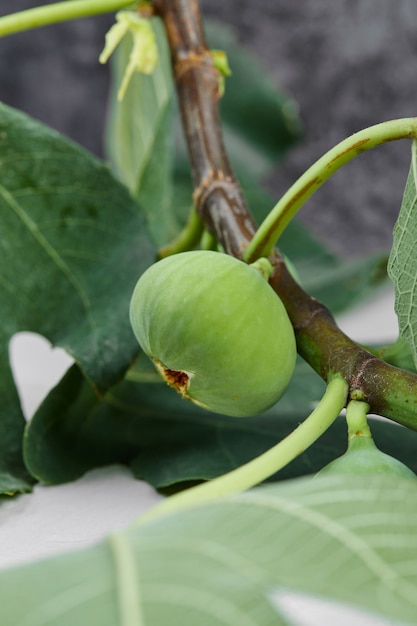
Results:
348 64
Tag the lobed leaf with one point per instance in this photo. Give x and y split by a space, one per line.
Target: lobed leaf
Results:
72 245
236 561
402 267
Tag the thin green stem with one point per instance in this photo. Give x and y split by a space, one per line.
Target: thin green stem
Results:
274 224
59 12
356 412
187 239
265 465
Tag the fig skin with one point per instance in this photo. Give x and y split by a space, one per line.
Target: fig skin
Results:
216 331
363 457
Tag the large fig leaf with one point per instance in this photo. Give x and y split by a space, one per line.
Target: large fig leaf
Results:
72 245
167 440
402 266
341 541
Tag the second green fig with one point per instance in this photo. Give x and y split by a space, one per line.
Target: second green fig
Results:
363 457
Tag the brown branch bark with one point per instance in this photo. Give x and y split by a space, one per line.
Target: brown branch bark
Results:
220 202
217 194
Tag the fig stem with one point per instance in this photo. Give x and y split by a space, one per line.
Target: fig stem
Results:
356 412
268 233
58 12
187 238
265 465
264 267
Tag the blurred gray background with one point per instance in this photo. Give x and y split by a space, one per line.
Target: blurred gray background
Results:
348 64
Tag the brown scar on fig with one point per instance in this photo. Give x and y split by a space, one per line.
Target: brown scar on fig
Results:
177 379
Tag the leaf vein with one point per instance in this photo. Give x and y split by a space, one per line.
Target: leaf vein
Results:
128 585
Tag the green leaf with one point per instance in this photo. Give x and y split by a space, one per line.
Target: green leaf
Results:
72 246
139 137
168 441
402 267
231 562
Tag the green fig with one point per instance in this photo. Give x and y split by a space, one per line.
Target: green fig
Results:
363 457
216 331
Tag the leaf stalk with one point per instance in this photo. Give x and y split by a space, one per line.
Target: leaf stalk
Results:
268 233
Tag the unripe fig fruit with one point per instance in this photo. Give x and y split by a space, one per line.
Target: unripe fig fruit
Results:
363 457
216 331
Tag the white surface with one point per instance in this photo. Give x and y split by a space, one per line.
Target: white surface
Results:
67 517
55 519
306 610
71 516
372 322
